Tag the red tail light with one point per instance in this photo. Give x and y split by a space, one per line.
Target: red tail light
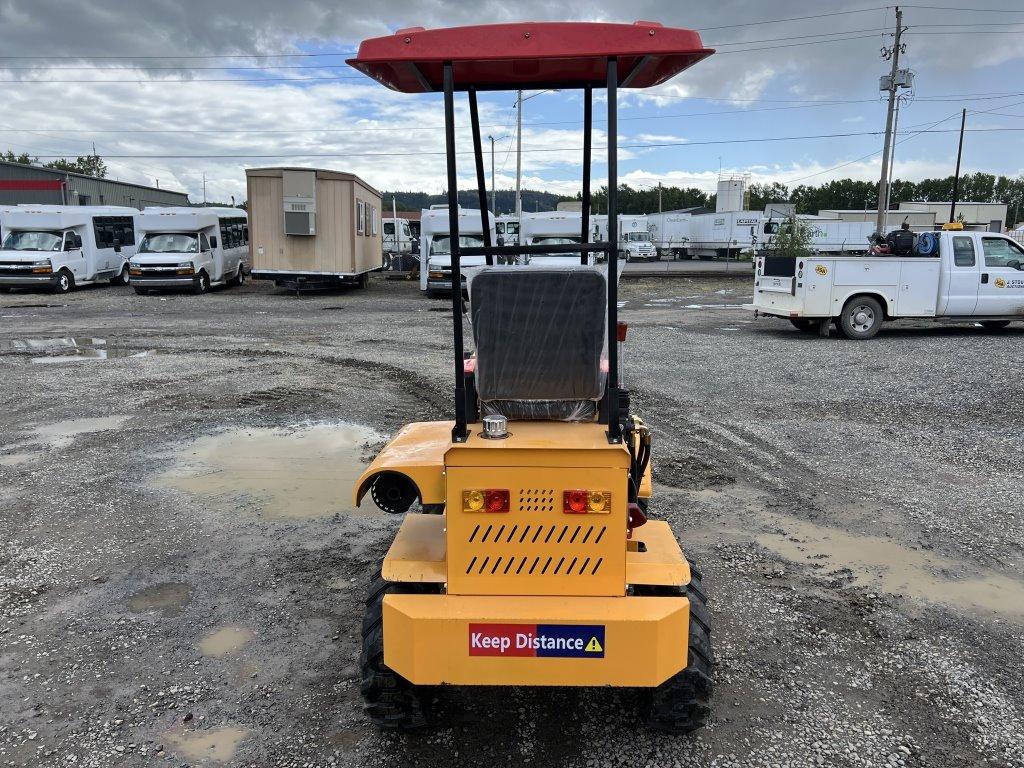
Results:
575 502
496 500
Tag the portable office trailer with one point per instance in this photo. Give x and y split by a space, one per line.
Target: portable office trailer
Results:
61 246
193 248
313 227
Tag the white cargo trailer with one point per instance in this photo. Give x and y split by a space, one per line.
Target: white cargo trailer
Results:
435 245
827 235
725 235
190 248
670 233
974 277
59 247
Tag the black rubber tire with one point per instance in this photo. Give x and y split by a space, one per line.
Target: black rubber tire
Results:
201 285
121 278
5 289
847 322
142 291
65 282
682 703
390 701
805 325
238 278
994 325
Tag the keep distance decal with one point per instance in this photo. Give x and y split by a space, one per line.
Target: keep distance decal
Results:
577 641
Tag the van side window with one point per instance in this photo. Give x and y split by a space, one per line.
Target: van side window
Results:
963 251
204 242
1001 253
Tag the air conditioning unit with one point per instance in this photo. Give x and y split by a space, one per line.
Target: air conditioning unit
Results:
299 202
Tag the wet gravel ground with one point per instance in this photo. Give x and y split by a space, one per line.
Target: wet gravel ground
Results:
856 508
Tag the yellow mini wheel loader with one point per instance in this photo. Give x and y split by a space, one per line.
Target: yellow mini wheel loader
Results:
532 562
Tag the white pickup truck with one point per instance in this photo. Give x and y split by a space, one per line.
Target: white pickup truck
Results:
952 276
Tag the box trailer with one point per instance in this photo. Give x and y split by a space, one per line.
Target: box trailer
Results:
313 227
827 235
726 234
670 233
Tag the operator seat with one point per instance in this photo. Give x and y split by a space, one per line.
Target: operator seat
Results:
540 334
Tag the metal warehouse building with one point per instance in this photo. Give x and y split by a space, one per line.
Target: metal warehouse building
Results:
47 186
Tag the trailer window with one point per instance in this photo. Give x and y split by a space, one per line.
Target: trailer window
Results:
373 219
1001 253
963 251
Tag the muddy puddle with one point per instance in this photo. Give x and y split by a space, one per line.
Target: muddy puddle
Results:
168 598
71 349
212 745
61 434
878 564
225 641
302 471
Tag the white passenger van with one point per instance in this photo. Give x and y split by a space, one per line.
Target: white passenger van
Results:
61 246
193 248
554 228
435 246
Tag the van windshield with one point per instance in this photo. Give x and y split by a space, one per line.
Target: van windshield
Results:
638 237
33 241
169 242
442 244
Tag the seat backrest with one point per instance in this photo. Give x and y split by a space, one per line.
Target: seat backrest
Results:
539 332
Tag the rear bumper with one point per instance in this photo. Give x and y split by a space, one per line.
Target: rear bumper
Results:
539 640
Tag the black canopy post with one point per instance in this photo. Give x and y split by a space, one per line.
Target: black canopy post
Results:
459 430
588 119
481 184
612 386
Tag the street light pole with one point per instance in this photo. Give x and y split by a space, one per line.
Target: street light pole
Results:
519 155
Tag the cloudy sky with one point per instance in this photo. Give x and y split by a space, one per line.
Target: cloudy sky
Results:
171 90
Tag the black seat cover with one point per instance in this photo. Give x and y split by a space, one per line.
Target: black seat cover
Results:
539 335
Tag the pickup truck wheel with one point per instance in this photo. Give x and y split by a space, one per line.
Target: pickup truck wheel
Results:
861 318
64 283
994 325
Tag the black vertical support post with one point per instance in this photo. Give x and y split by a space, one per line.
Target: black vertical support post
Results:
588 120
459 430
612 386
481 184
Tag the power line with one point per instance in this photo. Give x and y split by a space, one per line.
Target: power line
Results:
794 18
654 145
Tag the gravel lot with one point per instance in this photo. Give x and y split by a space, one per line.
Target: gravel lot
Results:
181 574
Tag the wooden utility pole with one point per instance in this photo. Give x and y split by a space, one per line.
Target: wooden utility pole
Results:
883 184
956 176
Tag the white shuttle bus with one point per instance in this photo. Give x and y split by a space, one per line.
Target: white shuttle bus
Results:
506 226
61 246
191 248
436 249
554 228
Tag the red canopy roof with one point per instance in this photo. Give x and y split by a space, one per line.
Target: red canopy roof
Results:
529 55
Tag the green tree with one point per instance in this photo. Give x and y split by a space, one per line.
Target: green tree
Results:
90 165
24 158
